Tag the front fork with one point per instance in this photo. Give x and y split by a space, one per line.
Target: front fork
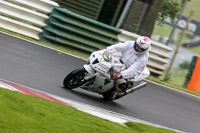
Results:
91 73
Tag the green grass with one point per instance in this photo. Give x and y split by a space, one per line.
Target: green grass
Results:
178 76
193 5
163 30
195 49
177 80
169 84
23 113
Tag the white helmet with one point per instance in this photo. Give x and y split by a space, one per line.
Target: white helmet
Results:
142 44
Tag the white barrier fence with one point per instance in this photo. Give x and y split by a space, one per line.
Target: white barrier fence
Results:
159 53
26 17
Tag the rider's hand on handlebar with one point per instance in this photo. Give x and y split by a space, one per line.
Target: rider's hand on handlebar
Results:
116 76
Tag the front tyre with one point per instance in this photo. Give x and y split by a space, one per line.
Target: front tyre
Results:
75 79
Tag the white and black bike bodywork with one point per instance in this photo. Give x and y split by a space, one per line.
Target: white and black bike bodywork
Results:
95 76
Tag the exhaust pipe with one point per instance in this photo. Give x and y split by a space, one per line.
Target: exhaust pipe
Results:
136 88
121 94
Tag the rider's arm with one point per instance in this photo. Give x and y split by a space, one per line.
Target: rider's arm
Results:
114 49
119 47
135 68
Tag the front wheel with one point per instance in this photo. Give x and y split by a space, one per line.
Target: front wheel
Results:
75 79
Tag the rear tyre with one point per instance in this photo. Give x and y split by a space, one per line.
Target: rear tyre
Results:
109 95
113 95
75 79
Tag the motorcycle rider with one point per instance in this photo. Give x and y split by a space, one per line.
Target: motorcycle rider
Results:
135 56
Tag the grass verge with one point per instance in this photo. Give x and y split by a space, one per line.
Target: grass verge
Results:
23 113
173 86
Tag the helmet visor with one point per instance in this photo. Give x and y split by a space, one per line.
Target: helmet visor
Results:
137 48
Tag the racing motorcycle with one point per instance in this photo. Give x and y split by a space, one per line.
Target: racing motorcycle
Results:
95 76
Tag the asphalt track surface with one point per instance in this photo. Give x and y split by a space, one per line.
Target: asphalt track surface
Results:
44 69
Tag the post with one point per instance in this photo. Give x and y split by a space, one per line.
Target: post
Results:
174 27
124 12
177 47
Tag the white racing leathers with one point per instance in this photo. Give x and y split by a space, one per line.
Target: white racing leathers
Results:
135 63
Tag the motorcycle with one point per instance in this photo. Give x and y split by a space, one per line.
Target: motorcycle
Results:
95 76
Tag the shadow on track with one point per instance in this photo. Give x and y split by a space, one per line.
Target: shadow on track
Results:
95 98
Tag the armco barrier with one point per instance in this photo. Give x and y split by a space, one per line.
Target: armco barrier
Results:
87 8
68 28
26 17
16 26
159 53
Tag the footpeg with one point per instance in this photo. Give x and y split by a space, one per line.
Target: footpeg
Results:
118 94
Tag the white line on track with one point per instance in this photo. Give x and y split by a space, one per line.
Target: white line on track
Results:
167 87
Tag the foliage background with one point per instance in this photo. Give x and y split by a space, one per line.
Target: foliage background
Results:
178 75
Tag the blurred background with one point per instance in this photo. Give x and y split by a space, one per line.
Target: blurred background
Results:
190 46
153 18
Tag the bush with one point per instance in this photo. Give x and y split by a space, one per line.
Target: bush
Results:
184 65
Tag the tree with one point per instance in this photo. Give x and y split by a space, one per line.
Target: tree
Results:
170 8
161 9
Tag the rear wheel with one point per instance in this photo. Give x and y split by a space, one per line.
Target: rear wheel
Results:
113 95
109 95
75 79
